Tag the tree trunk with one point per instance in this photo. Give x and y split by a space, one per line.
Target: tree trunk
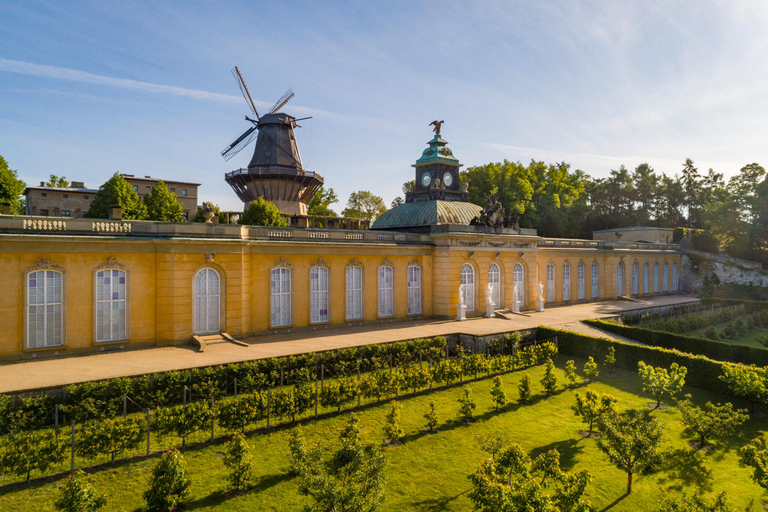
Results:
701 443
590 428
658 403
629 482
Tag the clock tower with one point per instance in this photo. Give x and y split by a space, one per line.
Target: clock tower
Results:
437 174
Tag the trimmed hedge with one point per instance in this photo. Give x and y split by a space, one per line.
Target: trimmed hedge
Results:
716 350
703 372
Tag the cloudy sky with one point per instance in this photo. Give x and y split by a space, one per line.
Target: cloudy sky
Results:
90 88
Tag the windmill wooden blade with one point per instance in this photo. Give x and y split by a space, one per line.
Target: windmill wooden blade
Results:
244 90
282 101
239 143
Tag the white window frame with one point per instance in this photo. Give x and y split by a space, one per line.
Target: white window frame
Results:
468 280
665 277
494 278
281 297
319 304
386 279
580 281
354 293
550 283
113 304
518 277
656 277
49 305
674 276
646 278
566 282
207 302
620 279
635 278
595 281
413 277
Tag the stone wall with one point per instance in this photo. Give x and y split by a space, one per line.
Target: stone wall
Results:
691 280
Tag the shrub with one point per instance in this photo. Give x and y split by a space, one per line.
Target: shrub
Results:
593 407
392 428
524 388
498 394
111 437
169 483
431 417
238 413
297 451
25 452
610 359
77 495
183 420
748 382
570 372
660 383
549 380
712 420
467 405
239 461
590 369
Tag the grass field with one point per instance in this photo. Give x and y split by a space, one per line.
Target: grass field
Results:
428 472
749 339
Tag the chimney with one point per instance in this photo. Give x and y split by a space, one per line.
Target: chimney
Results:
150 177
5 208
78 184
115 212
42 183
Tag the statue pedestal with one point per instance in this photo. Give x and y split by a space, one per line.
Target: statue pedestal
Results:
539 305
489 310
461 312
516 306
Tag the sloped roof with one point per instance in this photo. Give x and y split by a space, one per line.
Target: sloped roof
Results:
427 213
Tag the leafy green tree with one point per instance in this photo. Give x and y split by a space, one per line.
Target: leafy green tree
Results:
262 213
393 430
431 417
549 379
397 202
570 372
685 503
169 483
590 369
111 437
320 203
524 388
297 451
712 420
467 405
31 451
55 181
117 191
592 407
162 204
632 442
658 382
78 495
513 481
748 382
493 444
11 188
352 479
238 413
610 359
239 461
364 205
755 456
691 181
183 420
498 394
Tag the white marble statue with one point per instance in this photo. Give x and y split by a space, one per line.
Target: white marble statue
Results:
540 291
461 295
489 294
516 292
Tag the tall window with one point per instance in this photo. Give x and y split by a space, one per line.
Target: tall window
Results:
665 277
580 272
354 293
414 290
646 277
45 316
111 288
518 278
595 289
468 280
635 278
280 294
386 291
550 283
674 276
566 282
207 301
620 279
318 295
494 279
655 277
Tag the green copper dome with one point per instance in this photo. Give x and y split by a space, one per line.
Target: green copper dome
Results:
437 153
427 213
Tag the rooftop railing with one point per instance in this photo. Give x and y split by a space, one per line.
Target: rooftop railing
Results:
604 244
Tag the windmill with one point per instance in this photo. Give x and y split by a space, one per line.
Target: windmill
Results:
275 171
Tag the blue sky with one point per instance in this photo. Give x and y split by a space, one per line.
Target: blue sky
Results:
90 88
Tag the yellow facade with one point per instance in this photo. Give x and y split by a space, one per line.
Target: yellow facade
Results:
161 262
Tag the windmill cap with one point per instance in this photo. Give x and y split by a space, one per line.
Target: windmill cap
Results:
278 118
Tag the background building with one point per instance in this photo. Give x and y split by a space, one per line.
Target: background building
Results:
72 201
186 193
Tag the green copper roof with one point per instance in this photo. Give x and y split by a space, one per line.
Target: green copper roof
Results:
427 213
437 153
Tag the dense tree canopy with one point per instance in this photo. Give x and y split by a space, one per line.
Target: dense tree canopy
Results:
55 181
162 204
262 213
364 205
117 191
11 188
320 203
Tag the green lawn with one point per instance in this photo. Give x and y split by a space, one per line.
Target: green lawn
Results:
749 339
428 472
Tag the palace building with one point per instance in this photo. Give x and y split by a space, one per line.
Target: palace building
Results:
83 285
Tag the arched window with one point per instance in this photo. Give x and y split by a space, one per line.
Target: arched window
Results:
635 278
674 276
111 301
468 280
280 297
414 290
354 293
646 277
550 283
580 275
566 282
386 291
518 278
494 279
665 277
207 301
620 279
45 309
595 282
318 295
655 277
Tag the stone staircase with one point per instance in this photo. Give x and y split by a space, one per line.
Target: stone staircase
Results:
203 341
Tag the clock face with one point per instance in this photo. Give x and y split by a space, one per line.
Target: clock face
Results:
447 179
426 179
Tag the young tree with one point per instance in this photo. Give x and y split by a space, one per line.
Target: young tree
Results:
183 420
549 380
111 436
748 382
352 479
570 372
524 388
711 421
685 503
467 405
238 413
658 382
392 428
610 359
593 407
513 481
11 188
117 191
239 461
55 181
297 451
431 417
364 205
590 369
162 204
262 213
320 203
31 451
498 393
169 483
78 495
632 442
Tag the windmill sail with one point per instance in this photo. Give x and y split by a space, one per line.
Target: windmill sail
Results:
244 91
239 144
282 101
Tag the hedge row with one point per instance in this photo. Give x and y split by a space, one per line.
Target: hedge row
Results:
716 350
702 372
